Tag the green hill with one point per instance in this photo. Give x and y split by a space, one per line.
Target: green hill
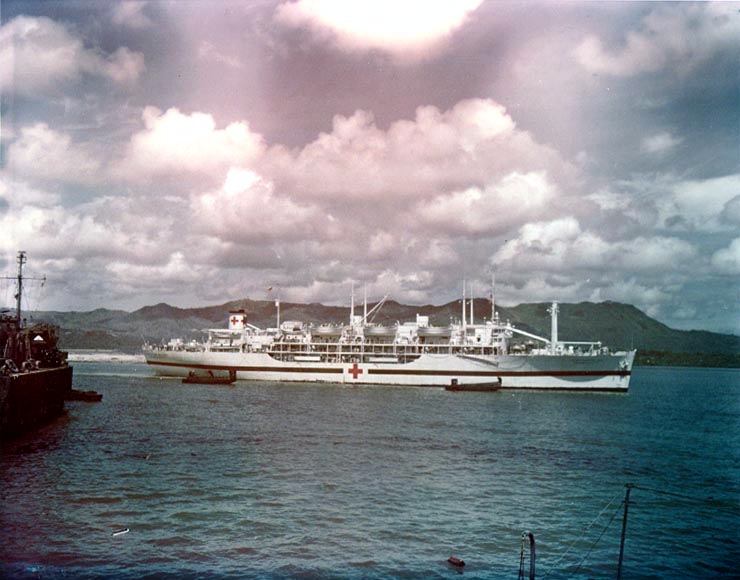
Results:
619 326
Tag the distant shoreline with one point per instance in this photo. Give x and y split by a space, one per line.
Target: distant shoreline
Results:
651 358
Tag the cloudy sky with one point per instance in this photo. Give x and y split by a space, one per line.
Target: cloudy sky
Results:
194 152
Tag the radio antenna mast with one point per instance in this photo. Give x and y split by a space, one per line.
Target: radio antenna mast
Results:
19 280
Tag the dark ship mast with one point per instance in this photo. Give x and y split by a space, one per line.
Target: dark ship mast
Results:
21 260
35 378
19 279
27 348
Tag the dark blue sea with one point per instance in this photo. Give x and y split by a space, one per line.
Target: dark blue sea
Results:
291 481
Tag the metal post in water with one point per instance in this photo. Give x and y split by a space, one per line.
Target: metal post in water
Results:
531 556
624 530
527 536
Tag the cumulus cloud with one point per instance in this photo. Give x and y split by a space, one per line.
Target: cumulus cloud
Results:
406 29
653 254
660 143
42 229
401 200
730 213
408 203
104 227
123 66
25 213
175 269
701 203
513 199
537 287
173 145
16 194
473 144
132 14
76 237
39 56
39 153
208 52
562 260
246 209
668 202
112 246
650 297
467 171
682 36
727 260
541 244
562 246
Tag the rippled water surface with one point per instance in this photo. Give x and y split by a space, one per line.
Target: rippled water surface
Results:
277 481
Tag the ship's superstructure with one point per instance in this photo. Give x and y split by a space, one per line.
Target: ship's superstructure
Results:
413 353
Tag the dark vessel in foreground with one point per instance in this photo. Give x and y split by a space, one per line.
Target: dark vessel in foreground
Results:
35 378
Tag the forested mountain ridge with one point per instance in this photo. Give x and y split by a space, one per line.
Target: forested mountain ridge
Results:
616 325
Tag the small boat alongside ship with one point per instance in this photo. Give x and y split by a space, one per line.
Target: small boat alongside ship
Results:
459 356
209 378
479 387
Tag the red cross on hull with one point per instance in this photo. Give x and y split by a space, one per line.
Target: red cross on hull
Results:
355 371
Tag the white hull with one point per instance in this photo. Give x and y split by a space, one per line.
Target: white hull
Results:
599 372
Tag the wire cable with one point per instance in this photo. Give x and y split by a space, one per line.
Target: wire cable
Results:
583 533
588 553
705 501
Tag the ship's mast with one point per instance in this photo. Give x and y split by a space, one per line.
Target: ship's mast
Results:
493 298
19 278
553 310
464 322
277 307
352 306
21 260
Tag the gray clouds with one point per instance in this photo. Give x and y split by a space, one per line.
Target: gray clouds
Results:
157 151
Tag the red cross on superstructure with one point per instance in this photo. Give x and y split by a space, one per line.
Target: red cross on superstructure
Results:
234 320
355 370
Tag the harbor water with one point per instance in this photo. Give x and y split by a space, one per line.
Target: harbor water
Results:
277 481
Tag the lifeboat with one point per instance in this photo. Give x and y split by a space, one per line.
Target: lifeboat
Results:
327 330
436 331
379 331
